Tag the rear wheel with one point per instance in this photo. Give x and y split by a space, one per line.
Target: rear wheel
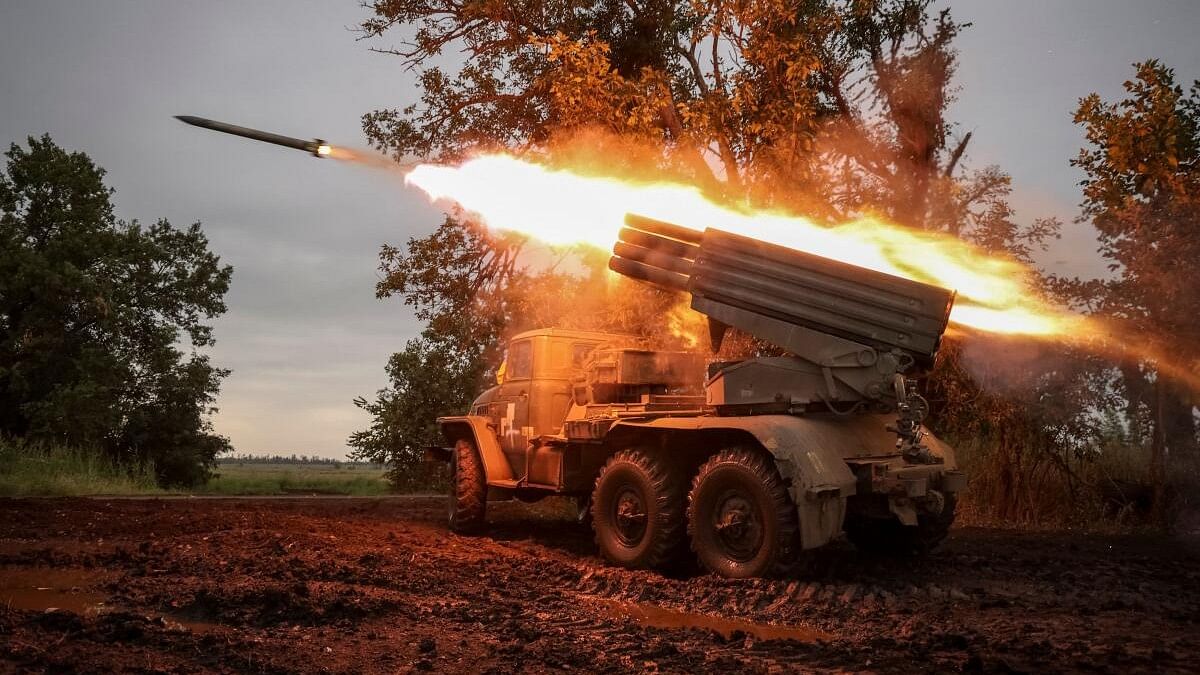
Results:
468 489
932 529
637 510
740 517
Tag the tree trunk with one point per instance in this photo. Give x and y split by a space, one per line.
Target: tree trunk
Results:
1158 473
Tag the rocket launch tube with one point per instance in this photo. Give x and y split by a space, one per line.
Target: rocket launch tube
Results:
663 229
651 257
767 281
665 246
648 273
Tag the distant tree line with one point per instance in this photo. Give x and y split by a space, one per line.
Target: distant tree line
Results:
246 458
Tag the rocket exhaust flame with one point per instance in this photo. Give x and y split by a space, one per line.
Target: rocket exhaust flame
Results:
994 295
561 207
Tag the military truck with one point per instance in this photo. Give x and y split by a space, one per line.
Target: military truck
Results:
747 463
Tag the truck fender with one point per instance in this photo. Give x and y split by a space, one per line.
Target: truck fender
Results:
809 453
475 429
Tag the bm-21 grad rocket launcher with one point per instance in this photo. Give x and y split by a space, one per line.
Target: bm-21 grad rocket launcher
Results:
745 463
854 335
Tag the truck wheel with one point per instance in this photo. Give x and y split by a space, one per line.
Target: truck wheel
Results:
637 510
468 489
740 517
932 529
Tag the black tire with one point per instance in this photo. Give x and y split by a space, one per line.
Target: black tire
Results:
932 529
637 510
889 537
468 489
740 517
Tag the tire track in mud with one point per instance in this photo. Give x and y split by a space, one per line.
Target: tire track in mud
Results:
384 587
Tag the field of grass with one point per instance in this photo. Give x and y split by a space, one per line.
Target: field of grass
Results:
61 472
235 477
49 471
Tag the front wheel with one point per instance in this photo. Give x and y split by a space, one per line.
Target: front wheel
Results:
468 489
741 520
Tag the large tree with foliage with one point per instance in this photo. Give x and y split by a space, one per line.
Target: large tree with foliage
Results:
830 107
1141 191
833 108
93 314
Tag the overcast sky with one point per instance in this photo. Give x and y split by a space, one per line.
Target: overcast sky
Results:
304 334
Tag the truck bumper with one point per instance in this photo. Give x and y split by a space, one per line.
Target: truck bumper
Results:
891 488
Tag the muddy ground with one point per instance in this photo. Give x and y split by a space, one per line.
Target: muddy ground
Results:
379 585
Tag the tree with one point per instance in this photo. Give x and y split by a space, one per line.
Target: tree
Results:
92 314
829 107
1141 191
832 108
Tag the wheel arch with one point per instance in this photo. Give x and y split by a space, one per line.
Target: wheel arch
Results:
475 428
691 443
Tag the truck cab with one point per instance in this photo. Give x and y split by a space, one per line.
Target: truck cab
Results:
533 395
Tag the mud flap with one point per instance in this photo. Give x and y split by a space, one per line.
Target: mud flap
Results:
817 477
904 510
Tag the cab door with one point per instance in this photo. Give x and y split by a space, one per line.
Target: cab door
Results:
513 400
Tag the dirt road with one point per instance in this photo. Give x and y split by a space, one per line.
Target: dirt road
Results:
362 585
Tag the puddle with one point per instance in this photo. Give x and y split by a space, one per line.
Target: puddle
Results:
42 588
660 617
71 590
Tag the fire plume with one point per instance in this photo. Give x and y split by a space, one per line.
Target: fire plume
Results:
561 207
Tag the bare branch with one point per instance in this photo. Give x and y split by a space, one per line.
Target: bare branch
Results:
957 154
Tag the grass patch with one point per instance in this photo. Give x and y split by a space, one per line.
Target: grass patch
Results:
255 478
34 470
